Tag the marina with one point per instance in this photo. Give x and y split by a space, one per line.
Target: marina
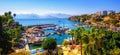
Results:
35 34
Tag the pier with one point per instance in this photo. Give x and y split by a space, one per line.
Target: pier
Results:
77 25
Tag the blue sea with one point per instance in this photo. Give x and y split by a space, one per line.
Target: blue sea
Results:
63 22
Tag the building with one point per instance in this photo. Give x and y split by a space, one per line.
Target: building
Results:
104 13
99 13
110 12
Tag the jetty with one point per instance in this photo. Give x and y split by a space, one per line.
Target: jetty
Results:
44 25
77 25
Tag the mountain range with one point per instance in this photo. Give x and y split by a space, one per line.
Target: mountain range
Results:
34 16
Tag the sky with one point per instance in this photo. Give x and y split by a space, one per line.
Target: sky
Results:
72 7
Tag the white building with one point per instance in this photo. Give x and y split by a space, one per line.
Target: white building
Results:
110 12
104 13
99 13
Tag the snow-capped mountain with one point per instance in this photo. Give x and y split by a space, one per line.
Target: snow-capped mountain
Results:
58 15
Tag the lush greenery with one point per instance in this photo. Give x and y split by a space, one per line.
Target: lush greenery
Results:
66 42
49 44
10 32
97 41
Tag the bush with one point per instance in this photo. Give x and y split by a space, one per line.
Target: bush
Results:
65 42
49 44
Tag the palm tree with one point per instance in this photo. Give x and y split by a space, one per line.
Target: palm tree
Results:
14 15
79 36
76 34
72 33
9 13
91 39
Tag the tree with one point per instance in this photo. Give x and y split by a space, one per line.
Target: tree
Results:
9 21
9 35
72 33
77 35
9 13
5 45
97 41
1 31
65 42
14 33
14 15
49 44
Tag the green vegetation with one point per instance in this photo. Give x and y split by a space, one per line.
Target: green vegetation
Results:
65 42
98 41
49 44
10 32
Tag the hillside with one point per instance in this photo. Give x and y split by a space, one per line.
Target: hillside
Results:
92 19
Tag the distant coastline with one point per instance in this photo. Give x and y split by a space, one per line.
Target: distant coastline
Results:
104 19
